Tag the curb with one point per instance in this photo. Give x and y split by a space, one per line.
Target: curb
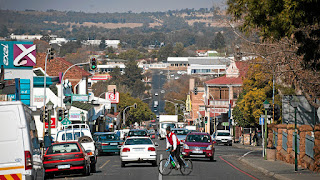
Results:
265 171
253 148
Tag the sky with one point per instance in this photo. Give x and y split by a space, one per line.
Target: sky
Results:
108 5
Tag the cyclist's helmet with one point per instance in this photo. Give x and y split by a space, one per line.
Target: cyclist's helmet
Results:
168 128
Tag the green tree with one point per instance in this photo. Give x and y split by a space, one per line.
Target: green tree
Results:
102 44
218 42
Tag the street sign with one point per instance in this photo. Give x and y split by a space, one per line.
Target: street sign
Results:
53 123
79 97
65 121
225 123
261 121
113 98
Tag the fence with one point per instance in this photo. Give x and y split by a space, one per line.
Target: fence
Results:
298 142
309 146
284 140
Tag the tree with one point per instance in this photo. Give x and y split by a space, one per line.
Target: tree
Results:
218 42
102 44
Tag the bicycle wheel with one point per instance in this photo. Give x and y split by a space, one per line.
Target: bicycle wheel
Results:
187 168
164 167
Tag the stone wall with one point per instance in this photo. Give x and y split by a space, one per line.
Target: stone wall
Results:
288 155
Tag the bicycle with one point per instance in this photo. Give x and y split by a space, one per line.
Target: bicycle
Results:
167 164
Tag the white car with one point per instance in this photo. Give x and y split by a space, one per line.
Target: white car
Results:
223 137
81 133
138 150
156 94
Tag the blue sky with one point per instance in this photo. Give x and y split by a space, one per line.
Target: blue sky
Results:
108 5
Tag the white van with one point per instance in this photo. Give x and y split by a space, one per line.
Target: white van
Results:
20 155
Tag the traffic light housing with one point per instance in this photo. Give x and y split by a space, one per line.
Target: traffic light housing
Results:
65 113
276 112
50 54
93 63
44 114
195 90
60 115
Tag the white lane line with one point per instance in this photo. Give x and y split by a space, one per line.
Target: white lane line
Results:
160 175
245 154
104 164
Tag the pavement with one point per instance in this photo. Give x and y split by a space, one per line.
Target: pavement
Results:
277 169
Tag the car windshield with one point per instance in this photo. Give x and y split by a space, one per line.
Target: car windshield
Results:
137 133
138 141
151 131
63 148
223 134
108 137
198 138
166 125
70 136
181 132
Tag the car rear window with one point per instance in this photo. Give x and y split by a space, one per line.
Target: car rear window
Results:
108 137
138 141
198 138
137 133
63 148
70 136
223 134
180 132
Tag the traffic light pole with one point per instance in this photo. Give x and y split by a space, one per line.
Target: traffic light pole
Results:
44 95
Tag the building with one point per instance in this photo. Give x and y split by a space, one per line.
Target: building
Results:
113 43
25 37
213 66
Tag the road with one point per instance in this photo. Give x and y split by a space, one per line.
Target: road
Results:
158 80
225 166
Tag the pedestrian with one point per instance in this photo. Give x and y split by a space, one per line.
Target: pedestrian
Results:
255 139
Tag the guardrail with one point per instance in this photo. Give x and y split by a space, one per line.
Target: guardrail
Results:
284 140
310 146
298 142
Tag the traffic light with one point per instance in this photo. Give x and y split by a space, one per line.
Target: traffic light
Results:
65 113
60 115
195 90
50 53
93 63
44 115
205 119
276 112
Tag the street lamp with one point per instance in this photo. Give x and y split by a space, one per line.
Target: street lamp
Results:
82 116
294 101
49 106
175 106
124 112
266 106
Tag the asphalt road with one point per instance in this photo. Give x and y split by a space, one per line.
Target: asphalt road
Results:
158 80
225 166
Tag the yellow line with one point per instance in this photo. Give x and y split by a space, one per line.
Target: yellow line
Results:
104 164
9 168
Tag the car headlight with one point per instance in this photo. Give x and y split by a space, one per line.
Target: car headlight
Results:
209 147
185 146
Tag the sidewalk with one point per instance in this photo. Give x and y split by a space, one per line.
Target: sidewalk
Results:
276 169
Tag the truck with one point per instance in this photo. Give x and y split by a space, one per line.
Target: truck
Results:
164 122
191 128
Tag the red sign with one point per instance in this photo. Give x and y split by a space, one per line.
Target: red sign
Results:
113 98
53 123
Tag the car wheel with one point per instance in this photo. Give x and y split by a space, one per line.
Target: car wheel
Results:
230 144
86 170
123 164
211 158
48 175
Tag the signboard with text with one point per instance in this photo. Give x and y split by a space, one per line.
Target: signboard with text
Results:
78 97
53 123
74 115
113 98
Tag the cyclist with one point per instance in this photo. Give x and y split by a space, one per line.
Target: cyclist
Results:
172 141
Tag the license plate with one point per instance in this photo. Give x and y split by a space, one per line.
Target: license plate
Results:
113 144
138 149
197 152
64 166
224 141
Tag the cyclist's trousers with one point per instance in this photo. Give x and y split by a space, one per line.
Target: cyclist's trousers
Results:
176 154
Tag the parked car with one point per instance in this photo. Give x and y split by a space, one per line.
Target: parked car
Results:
66 157
200 145
223 137
82 134
107 142
20 149
137 132
138 150
152 133
181 133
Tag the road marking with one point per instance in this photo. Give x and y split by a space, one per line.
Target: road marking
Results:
160 175
238 169
104 164
245 154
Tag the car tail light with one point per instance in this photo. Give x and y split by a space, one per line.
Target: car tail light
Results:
27 160
89 153
121 143
126 150
79 155
127 136
151 149
105 144
214 142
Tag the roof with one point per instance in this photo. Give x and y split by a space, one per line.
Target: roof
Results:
203 113
82 106
100 133
209 60
224 80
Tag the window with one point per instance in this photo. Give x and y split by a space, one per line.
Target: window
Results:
108 137
181 132
63 148
138 141
137 133
223 134
198 138
70 136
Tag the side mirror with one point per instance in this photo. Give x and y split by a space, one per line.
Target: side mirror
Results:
156 144
47 141
119 146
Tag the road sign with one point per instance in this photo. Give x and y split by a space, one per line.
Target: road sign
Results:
113 98
79 97
225 123
53 123
65 121
261 121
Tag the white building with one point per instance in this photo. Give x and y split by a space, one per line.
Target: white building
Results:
26 37
58 41
215 66
112 43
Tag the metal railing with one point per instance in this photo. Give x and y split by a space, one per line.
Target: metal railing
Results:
284 140
310 146
298 142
